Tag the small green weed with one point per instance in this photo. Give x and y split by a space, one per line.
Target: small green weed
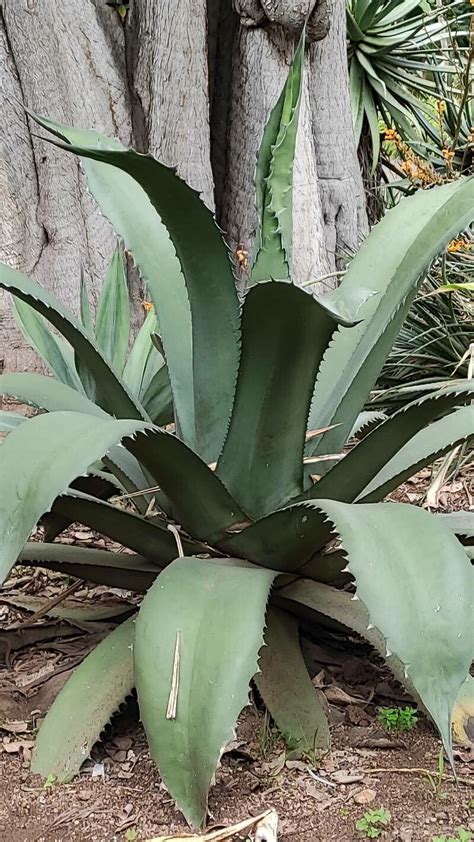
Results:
344 811
131 835
398 719
49 782
462 836
437 782
373 822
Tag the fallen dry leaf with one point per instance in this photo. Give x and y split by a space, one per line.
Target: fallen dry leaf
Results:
265 831
14 727
15 746
365 796
343 776
337 696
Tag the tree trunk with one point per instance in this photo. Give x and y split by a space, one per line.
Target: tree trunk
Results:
68 65
193 83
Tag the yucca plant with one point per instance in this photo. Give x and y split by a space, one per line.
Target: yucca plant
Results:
248 529
390 44
434 343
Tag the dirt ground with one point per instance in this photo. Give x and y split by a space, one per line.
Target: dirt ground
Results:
119 797
115 796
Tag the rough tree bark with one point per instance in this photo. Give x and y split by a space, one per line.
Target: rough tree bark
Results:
188 80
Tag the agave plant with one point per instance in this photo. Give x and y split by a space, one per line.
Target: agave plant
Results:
389 49
253 520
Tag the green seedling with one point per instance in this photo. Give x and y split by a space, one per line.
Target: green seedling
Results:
373 822
49 782
131 835
462 836
397 719
120 6
436 781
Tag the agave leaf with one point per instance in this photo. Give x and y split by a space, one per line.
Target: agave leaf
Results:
97 484
85 705
142 347
112 393
413 577
150 539
365 421
409 237
198 499
208 371
118 570
112 323
46 344
429 444
10 420
274 179
47 393
129 474
70 609
283 540
461 523
38 460
191 683
319 604
158 398
286 688
125 204
262 460
349 477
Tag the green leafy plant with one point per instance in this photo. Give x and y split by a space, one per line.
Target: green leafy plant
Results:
390 44
248 516
131 835
462 835
373 822
397 719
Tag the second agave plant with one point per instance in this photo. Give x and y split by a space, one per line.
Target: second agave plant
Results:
271 524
